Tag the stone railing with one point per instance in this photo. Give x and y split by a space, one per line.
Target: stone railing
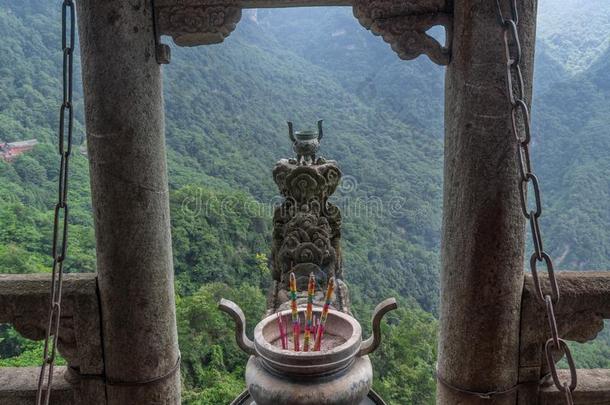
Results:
18 386
24 303
24 300
583 305
593 388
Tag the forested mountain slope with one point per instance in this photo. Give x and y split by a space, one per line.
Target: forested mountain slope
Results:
226 107
572 153
363 64
575 31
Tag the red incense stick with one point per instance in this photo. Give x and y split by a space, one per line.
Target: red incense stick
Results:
324 316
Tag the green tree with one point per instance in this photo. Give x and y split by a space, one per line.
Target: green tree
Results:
404 363
213 366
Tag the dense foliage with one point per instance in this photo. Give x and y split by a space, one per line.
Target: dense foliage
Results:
226 109
212 364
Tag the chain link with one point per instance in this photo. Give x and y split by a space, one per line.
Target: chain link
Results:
60 221
521 129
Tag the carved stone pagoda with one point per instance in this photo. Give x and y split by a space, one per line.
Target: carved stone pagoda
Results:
306 230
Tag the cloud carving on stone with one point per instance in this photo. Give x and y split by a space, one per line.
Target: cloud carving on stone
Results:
402 24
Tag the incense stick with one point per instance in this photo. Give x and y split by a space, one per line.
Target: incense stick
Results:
324 316
284 325
280 324
296 324
311 288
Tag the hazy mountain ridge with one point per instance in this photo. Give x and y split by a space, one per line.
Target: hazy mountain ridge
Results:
571 149
576 31
363 64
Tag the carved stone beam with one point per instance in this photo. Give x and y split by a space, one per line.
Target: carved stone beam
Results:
583 305
404 25
24 303
204 22
192 23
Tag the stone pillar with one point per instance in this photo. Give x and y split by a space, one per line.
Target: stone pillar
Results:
483 228
126 146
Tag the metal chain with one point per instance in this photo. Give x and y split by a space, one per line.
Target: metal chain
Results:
60 222
520 124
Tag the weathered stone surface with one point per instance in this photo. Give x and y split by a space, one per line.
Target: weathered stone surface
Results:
306 232
347 388
403 24
126 149
256 3
18 386
372 399
583 305
483 228
593 388
203 22
198 24
24 303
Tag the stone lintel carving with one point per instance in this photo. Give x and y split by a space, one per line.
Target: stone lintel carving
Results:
24 303
583 305
191 22
403 24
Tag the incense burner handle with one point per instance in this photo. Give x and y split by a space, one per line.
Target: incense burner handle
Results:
237 314
372 343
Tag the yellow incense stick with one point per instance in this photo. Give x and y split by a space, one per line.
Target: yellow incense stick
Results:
324 316
311 288
296 325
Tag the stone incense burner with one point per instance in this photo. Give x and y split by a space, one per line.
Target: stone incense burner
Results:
339 374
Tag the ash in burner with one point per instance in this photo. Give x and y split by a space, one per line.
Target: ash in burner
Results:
329 342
